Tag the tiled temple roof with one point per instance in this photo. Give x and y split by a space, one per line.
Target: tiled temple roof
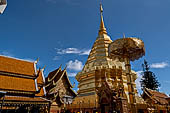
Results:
52 75
53 78
13 65
40 83
40 77
25 100
16 83
157 96
19 76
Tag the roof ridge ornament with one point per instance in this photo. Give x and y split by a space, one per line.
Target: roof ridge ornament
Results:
60 65
65 67
44 67
37 60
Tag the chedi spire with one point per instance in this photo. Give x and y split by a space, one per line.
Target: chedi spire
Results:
102 29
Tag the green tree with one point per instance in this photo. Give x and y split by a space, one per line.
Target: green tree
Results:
149 80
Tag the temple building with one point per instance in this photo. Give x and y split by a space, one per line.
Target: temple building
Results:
103 80
59 90
156 101
21 87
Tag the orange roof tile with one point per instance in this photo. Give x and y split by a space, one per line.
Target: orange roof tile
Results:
13 65
40 78
19 98
16 83
40 82
41 94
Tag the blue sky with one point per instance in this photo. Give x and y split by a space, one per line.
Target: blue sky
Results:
63 31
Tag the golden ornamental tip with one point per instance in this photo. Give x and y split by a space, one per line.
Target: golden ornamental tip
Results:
101 8
102 27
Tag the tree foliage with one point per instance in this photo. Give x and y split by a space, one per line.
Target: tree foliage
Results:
149 80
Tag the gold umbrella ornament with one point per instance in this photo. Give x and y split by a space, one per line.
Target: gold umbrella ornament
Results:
127 49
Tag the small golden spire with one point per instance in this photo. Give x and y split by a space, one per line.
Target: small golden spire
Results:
102 27
101 8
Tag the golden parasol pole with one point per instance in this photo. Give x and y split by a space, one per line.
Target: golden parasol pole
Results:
130 85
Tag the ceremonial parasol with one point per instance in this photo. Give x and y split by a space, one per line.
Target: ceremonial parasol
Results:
131 48
127 49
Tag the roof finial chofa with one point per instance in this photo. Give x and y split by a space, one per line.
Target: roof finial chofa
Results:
37 60
102 27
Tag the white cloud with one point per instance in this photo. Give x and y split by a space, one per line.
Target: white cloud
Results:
166 81
75 65
138 85
56 58
72 74
68 51
159 65
86 52
73 51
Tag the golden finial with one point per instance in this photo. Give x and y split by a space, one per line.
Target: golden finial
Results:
102 27
101 8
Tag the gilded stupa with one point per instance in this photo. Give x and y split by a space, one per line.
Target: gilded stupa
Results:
98 70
